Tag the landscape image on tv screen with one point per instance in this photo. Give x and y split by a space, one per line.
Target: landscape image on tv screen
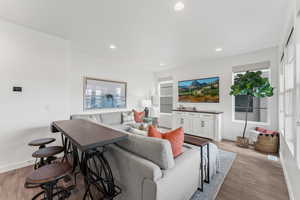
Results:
199 90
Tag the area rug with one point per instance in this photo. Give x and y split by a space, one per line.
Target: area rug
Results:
211 190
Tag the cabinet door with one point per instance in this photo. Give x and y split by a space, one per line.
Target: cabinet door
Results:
196 127
207 128
187 125
179 122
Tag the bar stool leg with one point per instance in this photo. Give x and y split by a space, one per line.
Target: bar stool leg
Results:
49 191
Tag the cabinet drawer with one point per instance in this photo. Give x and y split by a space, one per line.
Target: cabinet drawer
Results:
206 116
194 114
181 113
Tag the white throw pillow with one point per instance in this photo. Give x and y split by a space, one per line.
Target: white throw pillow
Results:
127 117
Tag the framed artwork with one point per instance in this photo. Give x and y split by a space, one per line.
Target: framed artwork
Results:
104 94
204 90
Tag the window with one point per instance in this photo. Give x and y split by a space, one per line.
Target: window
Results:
287 93
166 97
258 110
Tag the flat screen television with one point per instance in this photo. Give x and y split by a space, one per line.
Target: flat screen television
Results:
204 90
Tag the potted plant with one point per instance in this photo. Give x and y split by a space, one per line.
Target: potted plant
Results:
250 84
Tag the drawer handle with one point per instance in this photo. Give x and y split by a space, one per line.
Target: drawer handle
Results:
202 123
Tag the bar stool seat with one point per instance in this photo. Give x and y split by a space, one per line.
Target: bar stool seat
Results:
47 152
48 173
47 178
41 142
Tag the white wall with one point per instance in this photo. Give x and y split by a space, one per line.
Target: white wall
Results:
223 68
51 73
140 82
38 63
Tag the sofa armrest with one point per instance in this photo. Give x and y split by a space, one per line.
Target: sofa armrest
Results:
183 179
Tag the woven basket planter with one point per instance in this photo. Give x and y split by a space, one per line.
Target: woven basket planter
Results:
242 142
267 143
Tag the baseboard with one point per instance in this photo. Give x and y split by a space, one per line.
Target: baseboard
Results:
288 183
13 166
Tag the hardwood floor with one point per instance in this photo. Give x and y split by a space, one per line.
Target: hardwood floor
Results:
252 177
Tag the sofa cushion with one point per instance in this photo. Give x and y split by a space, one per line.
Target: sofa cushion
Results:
112 118
90 117
156 150
127 117
137 131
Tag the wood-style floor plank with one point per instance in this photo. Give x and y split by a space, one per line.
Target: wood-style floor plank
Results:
252 177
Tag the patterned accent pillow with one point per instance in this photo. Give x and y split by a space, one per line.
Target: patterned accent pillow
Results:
138 116
127 117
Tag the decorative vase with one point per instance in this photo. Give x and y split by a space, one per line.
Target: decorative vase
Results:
242 142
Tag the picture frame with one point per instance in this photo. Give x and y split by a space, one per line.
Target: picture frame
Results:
104 94
202 90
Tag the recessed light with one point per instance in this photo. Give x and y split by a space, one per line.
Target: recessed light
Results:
162 64
179 6
219 49
112 46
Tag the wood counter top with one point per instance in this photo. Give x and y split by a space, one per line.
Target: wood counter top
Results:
87 135
198 111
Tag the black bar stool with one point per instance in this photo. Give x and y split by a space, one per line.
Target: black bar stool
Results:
47 178
48 153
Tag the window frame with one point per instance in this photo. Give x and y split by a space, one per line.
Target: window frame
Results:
159 95
294 144
268 123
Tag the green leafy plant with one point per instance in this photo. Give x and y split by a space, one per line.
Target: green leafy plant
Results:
251 84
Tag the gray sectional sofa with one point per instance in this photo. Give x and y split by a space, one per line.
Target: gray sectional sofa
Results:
144 167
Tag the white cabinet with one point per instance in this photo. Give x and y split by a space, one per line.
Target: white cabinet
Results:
199 124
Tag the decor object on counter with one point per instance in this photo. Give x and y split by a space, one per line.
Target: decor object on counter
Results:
100 94
146 103
199 90
175 137
154 114
250 84
138 116
151 120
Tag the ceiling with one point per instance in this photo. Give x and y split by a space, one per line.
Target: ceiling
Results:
149 32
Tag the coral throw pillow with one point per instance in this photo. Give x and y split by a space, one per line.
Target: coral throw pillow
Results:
175 137
138 116
153 132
